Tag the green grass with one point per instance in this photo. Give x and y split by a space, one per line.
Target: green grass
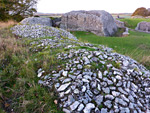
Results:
19 88
136 45
132 22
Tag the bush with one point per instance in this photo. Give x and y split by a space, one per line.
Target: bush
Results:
141 12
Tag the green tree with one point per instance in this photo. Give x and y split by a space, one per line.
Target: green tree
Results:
17 9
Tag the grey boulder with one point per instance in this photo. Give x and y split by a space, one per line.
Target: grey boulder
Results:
98 22
143 26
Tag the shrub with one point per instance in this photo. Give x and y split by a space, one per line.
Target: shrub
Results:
141 12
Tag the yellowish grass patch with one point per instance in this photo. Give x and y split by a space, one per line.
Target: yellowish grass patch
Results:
7 24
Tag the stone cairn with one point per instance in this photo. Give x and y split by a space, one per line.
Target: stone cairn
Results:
94 79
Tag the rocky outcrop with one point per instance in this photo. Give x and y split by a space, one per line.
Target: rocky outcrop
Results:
143 27
37 20
119 24
37 31
98 22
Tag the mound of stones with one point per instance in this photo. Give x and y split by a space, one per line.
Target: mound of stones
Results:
99 81
143 27
37 20
38 31
98 22
93 79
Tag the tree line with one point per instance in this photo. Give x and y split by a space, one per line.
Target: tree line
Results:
16 9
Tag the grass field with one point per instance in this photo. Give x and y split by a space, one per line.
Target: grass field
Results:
136 45
132 22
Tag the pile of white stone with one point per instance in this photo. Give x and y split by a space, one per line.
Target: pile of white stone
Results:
94 79
40 31
97 80
37 20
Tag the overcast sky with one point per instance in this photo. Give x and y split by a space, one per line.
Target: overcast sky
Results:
112 6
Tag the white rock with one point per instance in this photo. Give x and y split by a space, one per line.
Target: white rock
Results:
67 80
105 73
85 80
98 99
76 91
122 91
114 93
120 101
118 77
106 90
124 98
68 91
61 94
124 110
99 87
108 103
63 87
81 106
79 66
66 110
74 105
40 73
64 73
104 110
83 88
110 97
57 85
89 107
100 74
125 63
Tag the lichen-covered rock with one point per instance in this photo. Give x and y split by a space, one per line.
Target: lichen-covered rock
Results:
37 20
98 22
